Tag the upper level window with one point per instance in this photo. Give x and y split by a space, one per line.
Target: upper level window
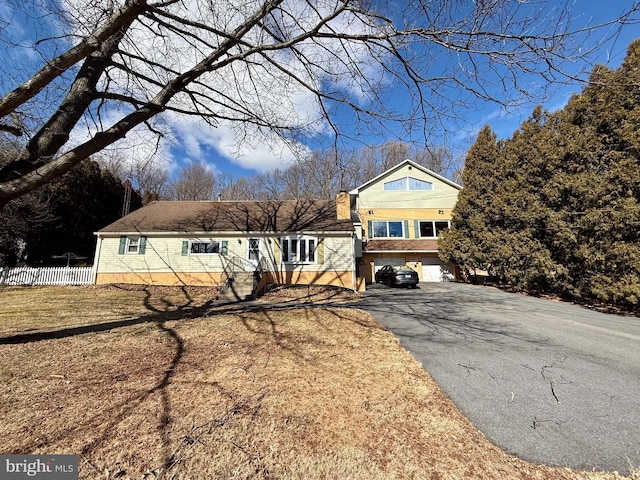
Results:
299 249
385 229
433 228
200 248
417 184
408 183
400 184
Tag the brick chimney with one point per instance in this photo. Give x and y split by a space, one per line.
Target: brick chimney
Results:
343 205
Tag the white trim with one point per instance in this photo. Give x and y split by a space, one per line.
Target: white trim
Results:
433 222
127 245
298 238
373 228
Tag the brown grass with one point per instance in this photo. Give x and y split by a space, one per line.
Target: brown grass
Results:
160 383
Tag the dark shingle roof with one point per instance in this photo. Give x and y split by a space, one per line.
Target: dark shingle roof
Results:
284 216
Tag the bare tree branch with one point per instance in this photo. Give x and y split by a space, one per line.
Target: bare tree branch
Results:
280 70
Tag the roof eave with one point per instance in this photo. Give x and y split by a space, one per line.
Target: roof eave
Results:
223 233
400 251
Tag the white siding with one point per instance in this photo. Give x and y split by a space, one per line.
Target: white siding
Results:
374 196
164 255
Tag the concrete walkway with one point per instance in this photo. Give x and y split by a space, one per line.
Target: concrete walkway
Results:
550 382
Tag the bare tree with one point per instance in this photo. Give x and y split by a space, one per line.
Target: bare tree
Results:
112 67
438 159
243 188
194 182
146 176
270 186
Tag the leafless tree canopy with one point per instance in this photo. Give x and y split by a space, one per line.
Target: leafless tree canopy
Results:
272 70
148 177
194 182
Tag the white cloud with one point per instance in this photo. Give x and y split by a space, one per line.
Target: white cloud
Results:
256 151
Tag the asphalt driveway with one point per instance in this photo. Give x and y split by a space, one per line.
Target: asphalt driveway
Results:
550 382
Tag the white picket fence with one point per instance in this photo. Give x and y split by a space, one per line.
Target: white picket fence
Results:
46 276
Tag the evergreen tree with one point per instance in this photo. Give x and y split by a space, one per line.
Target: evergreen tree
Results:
556 208
469 242
601 128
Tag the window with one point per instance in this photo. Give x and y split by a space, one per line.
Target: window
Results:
416 184
132 245
299 250
385 229
253 253
433 228
400 184
408 183
204 248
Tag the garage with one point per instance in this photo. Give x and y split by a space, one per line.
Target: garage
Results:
435 270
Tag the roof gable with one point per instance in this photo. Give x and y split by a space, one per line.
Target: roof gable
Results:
400 166
204 217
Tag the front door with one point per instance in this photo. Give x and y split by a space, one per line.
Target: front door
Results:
253 253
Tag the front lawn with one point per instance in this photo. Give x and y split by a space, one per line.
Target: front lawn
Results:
160 383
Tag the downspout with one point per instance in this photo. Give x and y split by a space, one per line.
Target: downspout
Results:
353 262
94 272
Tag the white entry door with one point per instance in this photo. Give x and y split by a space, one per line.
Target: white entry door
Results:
253 253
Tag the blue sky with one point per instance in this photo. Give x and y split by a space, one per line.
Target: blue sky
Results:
503 121
612 53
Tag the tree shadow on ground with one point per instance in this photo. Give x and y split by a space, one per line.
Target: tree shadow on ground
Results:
161 314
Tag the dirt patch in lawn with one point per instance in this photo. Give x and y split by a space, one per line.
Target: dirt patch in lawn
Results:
187 390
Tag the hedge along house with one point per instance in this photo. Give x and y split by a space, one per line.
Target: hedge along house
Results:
208 243
402 213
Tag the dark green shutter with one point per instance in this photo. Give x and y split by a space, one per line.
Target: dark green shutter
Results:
123 245
225 247
406 229
416 229
369 229
185 247
142 247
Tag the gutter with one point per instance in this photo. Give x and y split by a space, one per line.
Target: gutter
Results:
353 262
400 251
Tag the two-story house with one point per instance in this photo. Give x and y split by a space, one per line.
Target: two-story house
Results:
400 216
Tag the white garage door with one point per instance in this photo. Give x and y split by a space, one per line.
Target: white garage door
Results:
435 270
378 263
